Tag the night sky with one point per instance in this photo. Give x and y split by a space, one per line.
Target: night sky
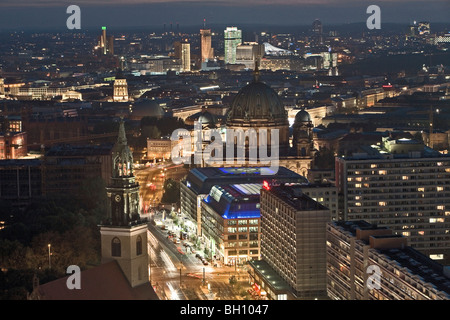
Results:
37 14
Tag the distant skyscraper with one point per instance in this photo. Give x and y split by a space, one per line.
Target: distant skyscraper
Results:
317 31
206 47
183 52
423 28
233 38
105 43
2 86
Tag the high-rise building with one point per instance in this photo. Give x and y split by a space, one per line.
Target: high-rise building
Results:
233 38
247 54
106 43
406 189
2 87
182 51
124 234
424 28
293 246
317 31
367 262
207 51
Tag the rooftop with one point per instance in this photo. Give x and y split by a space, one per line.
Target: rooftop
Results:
292 195
235 201
201 180
414 262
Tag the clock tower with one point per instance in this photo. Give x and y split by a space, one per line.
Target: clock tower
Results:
123 233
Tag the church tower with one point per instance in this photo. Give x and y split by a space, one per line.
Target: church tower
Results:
124 234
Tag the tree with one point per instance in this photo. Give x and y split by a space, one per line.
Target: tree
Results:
171 191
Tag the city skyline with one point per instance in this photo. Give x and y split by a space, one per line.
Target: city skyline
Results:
142 13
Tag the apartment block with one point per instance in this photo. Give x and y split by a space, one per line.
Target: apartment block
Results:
368 262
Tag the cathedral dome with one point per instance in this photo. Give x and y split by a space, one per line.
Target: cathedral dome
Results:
302 116
257 101
147 108
204 117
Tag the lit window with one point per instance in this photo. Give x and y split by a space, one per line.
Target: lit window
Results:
358 185
432 220
421 189
405 177
440 207
440 188
382 172
406 233
382 203
422 233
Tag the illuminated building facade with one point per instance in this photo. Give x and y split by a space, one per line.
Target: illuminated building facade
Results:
200 181
106 43
160 149
207 51
233 38
403 273
183 52
292 245
13 145
120 88
409 193
231 222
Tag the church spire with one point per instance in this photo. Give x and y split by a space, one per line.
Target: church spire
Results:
122 138
122 155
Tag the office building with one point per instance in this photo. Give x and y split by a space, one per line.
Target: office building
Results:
20 180
248 53
233 38
326 194
367 262
407 191
183 52
200 181
293 245
105 43
231 222
317 31
68 168
207 51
